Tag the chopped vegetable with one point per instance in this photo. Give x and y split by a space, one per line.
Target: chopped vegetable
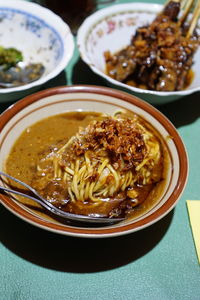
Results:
9 57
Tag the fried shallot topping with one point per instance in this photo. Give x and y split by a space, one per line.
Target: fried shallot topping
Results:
121 139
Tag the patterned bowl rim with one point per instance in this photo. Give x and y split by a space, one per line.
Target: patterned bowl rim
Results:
61 29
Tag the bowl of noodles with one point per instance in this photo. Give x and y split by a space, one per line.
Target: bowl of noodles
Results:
92 151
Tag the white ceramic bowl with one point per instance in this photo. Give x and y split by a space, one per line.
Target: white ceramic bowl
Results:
111 29
42 37
100 99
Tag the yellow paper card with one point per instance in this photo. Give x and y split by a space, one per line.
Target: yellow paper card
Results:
194 215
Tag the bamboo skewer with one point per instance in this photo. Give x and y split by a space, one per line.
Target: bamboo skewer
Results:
172 1
187 5
194 20
183 3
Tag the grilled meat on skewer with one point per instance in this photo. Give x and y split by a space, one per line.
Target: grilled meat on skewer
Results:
159 57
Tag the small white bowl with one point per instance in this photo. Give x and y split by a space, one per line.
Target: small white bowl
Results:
42 37
58 100
111 29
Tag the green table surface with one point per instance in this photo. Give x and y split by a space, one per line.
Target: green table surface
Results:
159 262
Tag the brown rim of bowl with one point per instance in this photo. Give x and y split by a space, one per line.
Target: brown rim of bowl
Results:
102 231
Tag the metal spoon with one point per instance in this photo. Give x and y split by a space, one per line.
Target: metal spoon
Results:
54 210
20 74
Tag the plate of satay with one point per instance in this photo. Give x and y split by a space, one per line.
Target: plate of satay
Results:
149 50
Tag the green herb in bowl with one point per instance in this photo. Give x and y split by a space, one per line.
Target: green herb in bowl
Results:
10 57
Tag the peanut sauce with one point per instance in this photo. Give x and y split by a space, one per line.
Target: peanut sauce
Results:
53 132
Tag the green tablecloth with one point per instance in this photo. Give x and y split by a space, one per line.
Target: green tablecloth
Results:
156 263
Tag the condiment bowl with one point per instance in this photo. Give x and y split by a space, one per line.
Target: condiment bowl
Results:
111 29
40 35
50 102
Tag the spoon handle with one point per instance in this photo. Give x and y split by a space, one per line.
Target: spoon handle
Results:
50 207
22 183
2 188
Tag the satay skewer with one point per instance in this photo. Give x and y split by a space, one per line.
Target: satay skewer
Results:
183 3
167 2
171 9
194 20
186 5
